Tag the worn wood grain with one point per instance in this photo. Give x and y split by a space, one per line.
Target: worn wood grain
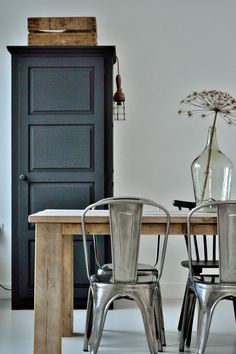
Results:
98 223
62 23
72 39
68 286
48 289
176 228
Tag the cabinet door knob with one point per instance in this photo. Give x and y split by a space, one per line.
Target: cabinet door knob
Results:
23 178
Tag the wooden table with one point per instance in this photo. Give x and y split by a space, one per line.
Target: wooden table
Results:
53 293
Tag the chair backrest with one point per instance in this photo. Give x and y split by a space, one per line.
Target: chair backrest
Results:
226 226
204 247
125 217
227 241
125 223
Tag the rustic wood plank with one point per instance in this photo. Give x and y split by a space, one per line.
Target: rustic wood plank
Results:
62 23
102 216
146 229
73 39
48 289
75 229
98 222
68 286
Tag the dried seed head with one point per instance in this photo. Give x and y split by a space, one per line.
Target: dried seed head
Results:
208 102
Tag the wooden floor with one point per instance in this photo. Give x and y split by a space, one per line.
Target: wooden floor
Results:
123 333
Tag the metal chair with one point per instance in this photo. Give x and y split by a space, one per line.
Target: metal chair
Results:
204 256
210 290
204 259
124 279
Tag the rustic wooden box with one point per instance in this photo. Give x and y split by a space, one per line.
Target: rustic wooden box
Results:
62 31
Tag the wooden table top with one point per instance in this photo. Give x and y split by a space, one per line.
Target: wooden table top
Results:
203 223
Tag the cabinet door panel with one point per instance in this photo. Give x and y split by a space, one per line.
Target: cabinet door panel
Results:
61 147
62 89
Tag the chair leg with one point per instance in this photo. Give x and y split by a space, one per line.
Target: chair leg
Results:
160 317
206 308
191 318
89 320
234 304
182 310
203 330
102 299
187 305
146 301
158 329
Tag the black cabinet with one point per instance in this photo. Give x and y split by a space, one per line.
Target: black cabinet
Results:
62 146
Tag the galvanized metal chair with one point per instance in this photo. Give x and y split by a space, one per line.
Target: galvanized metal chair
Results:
204 257
123 278
210 290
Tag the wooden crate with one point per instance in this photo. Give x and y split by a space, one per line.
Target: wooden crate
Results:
62 31
65 38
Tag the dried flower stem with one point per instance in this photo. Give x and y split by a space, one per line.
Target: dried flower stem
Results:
208 158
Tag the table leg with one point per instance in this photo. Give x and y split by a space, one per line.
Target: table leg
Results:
48 289
68 286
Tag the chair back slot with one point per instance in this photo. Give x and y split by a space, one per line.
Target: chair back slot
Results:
125 219
158 246
205 248
214 248
195 242
186 240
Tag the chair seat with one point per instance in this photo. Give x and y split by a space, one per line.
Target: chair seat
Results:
198 266
143 269
107 277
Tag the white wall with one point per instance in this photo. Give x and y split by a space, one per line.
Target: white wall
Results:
167 49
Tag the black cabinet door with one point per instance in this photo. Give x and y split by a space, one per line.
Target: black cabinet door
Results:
61 147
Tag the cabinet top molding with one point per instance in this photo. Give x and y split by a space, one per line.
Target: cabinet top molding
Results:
65 50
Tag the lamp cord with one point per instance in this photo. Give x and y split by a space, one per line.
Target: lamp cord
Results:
3 287
118 66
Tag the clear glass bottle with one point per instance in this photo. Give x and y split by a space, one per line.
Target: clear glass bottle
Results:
211 173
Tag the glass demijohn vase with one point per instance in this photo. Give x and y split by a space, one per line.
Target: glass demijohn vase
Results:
211 173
